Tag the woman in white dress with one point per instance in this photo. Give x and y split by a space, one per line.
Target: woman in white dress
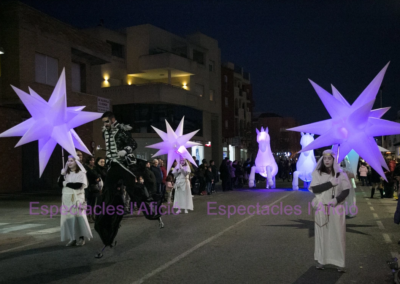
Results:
183 195
74 223
331 187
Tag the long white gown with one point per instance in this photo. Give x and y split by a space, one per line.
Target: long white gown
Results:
74 223
183 194
330 231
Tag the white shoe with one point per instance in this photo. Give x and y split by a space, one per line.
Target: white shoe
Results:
80 242
186 211
178 212
71 243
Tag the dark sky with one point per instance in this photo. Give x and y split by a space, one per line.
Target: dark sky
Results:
281 43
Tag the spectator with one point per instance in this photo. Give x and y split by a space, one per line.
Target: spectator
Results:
363 174
209 177
164 174
158 174
215 175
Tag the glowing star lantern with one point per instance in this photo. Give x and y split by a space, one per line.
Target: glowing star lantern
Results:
52 122
175 144
352 126
306 163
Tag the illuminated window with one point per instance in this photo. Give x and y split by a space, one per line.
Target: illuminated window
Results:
46 69
211 95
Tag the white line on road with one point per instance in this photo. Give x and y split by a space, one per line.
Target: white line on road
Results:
372 208
369 203
387 238
367 198
17 228
186 253
46 231
2 224
375 215
7 250
380 225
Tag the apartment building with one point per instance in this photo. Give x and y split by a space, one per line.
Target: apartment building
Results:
155 75
236 111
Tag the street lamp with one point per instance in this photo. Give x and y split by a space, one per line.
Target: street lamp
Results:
1 50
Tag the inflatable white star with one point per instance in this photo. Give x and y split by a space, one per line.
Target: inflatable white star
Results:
52 122
175 144
352 126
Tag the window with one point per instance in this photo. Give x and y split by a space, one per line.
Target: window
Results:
226 101
117 49
211 95
199 89
78 74
46 69
198 56
226 124
211 66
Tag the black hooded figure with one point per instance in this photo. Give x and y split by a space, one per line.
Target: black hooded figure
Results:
122 167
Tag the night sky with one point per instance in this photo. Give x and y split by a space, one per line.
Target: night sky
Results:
281 43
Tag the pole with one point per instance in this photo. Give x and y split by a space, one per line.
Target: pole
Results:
62 154
380 91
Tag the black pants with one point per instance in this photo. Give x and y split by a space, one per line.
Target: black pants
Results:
107 225
373 192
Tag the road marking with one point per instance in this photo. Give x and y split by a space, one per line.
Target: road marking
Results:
366 198
7 250
387 238
17 228
2 224
186 253
380 225
372 208
46 231
375 215
369 203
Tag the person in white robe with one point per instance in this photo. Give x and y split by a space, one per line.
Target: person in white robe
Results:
183 195
331 187
74 223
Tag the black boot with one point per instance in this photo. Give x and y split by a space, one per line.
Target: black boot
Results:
381 191
372 192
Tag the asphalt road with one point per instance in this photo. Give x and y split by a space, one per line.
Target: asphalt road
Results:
199 247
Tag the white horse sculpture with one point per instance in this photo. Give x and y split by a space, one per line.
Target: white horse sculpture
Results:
306 163
265 163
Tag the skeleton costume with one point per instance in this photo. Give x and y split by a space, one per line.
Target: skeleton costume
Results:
74 223
330 215
120 160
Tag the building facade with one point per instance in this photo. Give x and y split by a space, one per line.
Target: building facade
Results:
236 111
154 76
392 142
283 142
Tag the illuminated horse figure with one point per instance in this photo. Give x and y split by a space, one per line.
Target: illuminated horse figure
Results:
306 163
265 161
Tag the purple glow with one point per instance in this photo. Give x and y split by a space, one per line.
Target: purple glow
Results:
174 144
352 126
52 122
265 163
306 163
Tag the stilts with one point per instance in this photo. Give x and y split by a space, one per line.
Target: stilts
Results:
100 254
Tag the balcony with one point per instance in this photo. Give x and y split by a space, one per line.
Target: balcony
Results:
153 64
153 93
